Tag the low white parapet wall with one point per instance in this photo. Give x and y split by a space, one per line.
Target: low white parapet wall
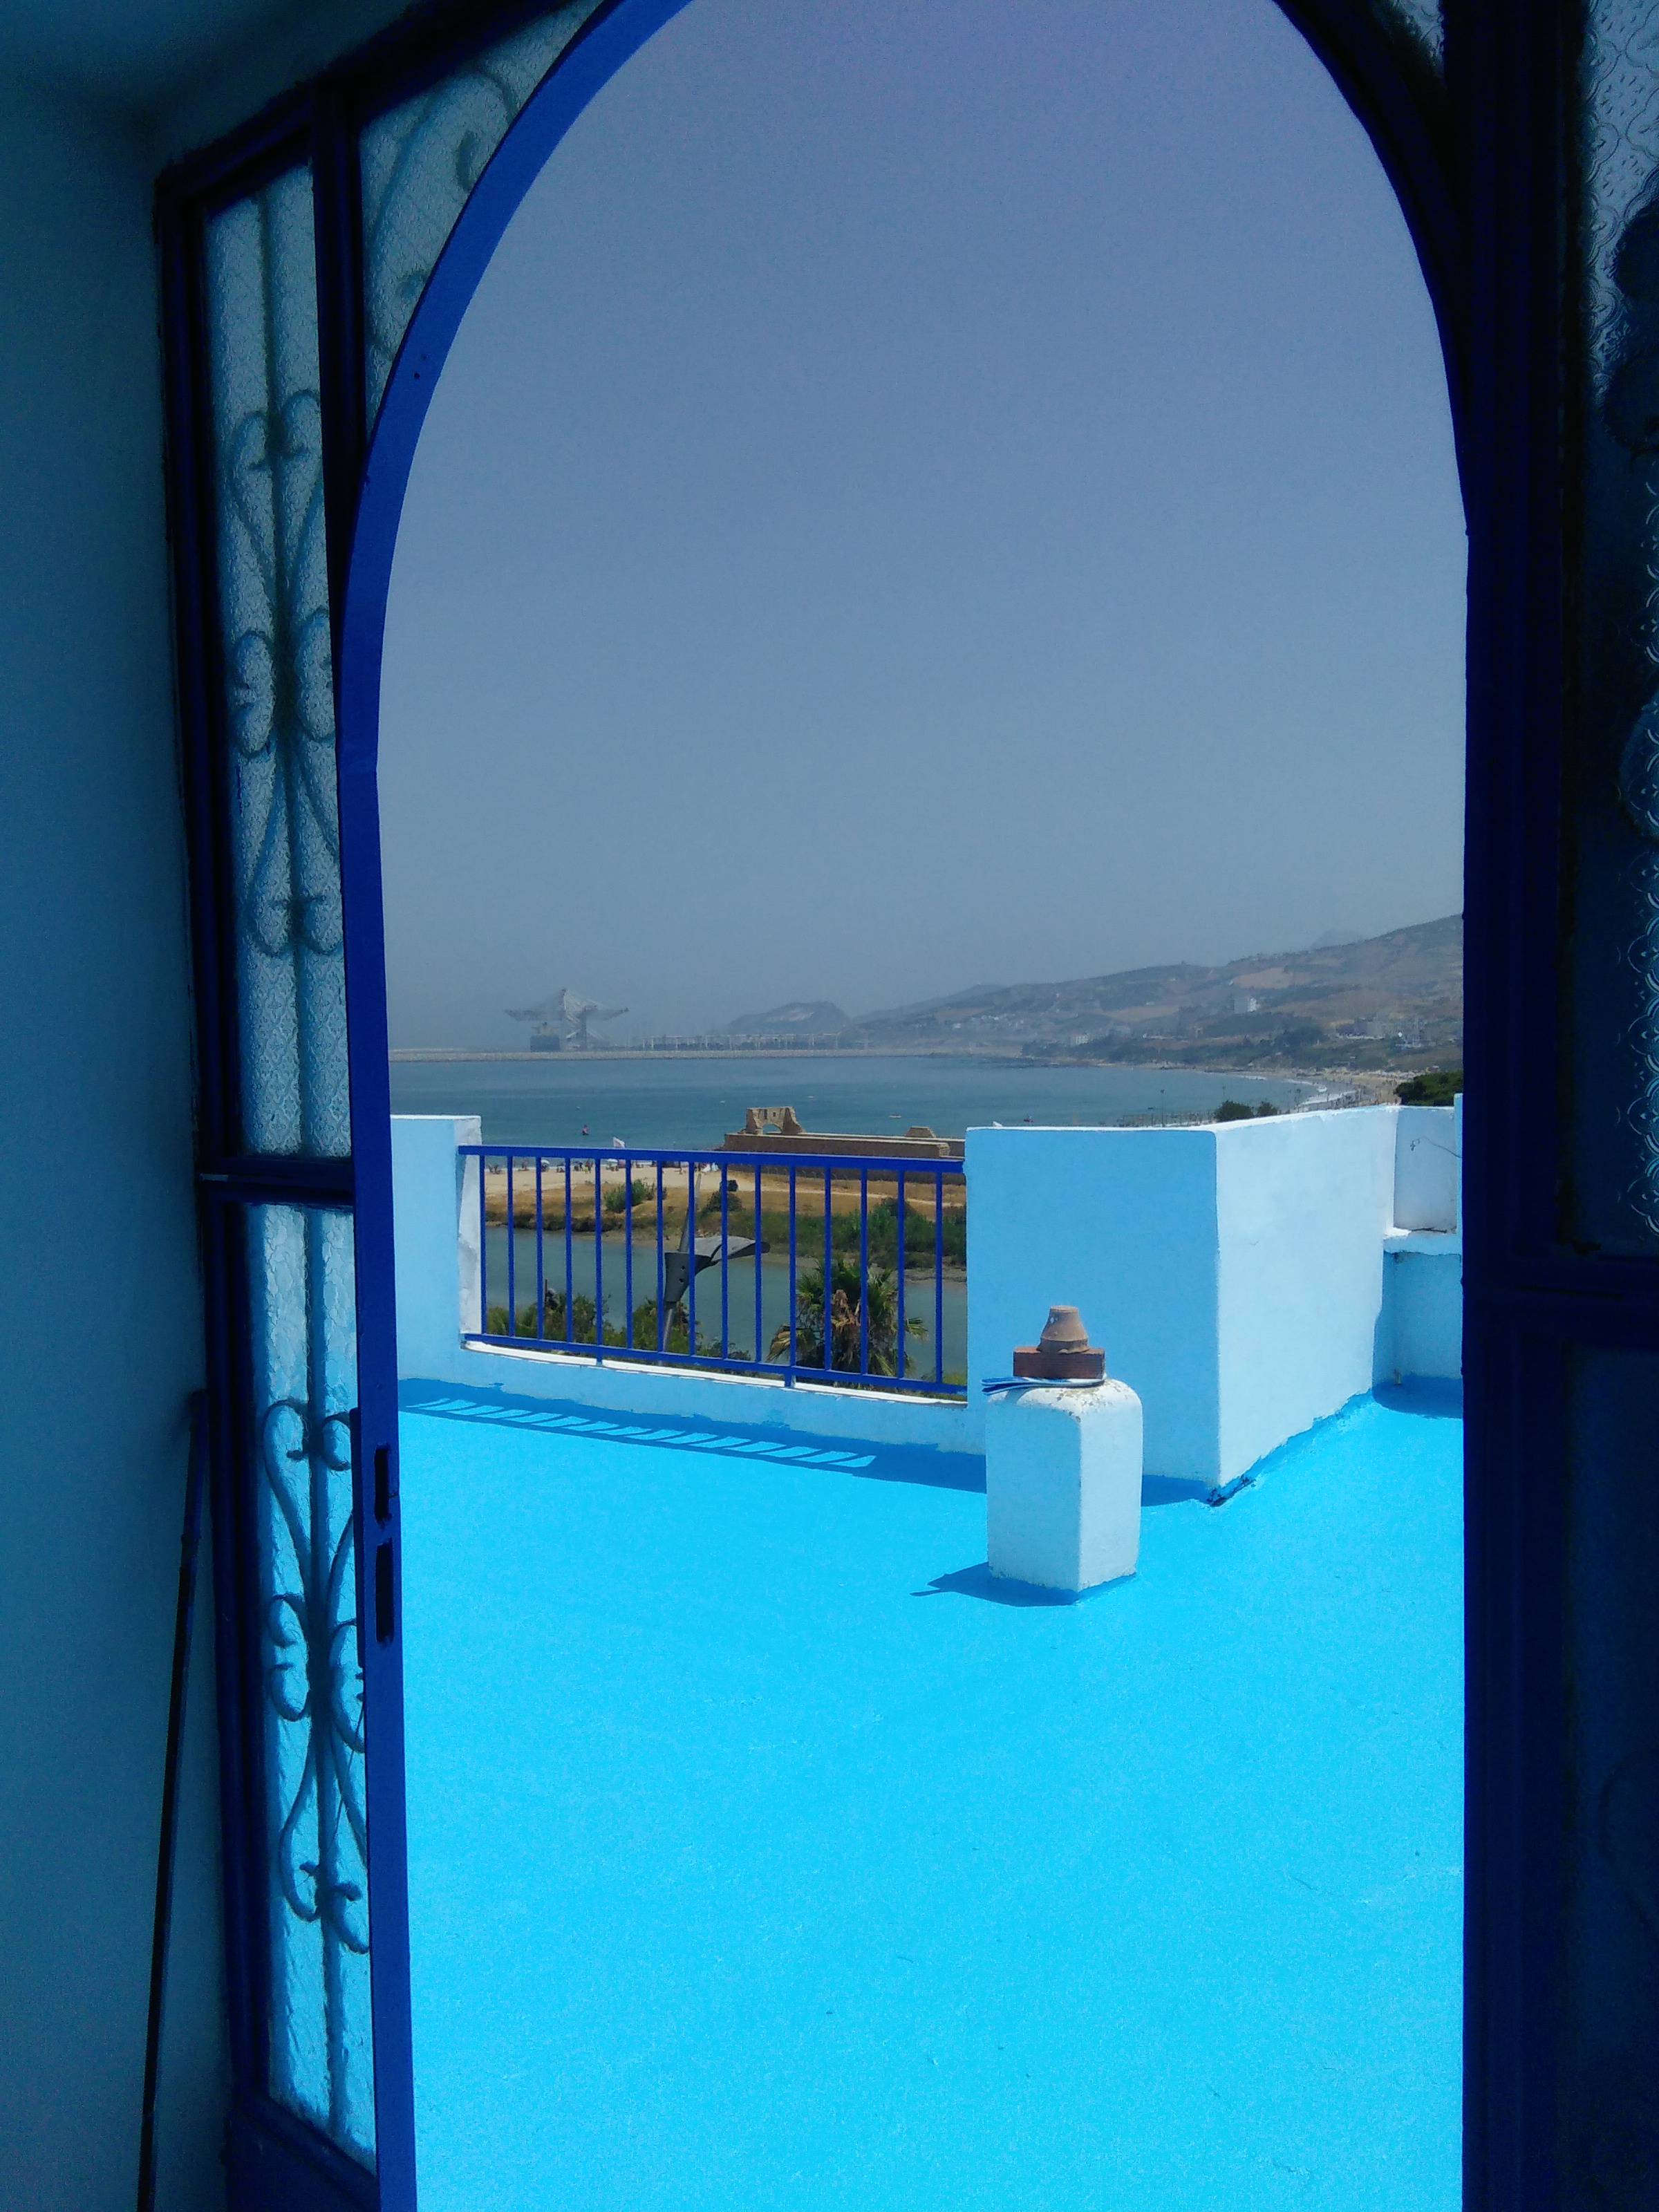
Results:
1422 1332
435 1210
1239 1276
1233 1274
1428 1167
1246 1279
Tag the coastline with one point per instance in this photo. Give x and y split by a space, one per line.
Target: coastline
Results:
1374 1085
410 1054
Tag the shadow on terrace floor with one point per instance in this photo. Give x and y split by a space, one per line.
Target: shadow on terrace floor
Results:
745 1875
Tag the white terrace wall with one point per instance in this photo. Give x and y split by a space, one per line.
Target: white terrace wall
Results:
1422 1309
1246 1278
1303 1204
1120 1223
1423 1264
1233 1274
1428 1161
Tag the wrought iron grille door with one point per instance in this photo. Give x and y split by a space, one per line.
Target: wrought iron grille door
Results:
320 2033
294 256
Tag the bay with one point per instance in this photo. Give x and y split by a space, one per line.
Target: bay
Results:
656 1103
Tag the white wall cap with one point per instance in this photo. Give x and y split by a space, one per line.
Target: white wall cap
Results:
1439 1243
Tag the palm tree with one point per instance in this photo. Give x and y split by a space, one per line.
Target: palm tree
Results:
846 1321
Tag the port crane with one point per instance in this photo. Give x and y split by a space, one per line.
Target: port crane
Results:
561 1023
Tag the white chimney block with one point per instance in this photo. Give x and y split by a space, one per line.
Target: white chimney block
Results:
1062 1484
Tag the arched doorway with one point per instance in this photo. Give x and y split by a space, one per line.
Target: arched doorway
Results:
632 1998
1480 175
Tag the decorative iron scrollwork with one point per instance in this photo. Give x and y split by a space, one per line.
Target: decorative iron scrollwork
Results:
420 164
310 1669
282 682
1423 19
1618 674
314 1684
312 1632
277 653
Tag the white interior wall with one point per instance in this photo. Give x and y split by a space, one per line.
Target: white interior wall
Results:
280 44
101 1337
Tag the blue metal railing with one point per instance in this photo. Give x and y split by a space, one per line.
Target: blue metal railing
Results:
834 1296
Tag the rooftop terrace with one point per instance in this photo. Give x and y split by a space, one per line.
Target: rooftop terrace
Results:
764 1854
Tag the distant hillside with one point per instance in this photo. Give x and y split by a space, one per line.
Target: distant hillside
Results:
800 1017
1373 1002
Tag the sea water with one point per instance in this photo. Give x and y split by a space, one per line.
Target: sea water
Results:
564 1098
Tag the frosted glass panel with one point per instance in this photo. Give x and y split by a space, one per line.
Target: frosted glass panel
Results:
1611 1183
278 670
420 163
305 1358
1422 18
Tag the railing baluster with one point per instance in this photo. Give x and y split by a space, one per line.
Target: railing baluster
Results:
829 1359
692 1255
759 1353
662 1334
541 1272
938 1278
864 1271
790 1377
899 1361
726 1255
483 1245
598 1265
569 1268
628 1247
511 1290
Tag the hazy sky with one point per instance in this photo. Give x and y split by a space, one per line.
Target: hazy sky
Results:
926 493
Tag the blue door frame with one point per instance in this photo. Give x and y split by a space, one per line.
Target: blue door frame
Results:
1485 154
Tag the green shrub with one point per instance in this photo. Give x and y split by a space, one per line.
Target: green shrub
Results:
583 1316
677 1337
710 1208
1438 1087
1231 1109
497 1322
919 1237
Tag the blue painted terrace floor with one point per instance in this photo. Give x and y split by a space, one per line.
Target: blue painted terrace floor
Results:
761 1858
